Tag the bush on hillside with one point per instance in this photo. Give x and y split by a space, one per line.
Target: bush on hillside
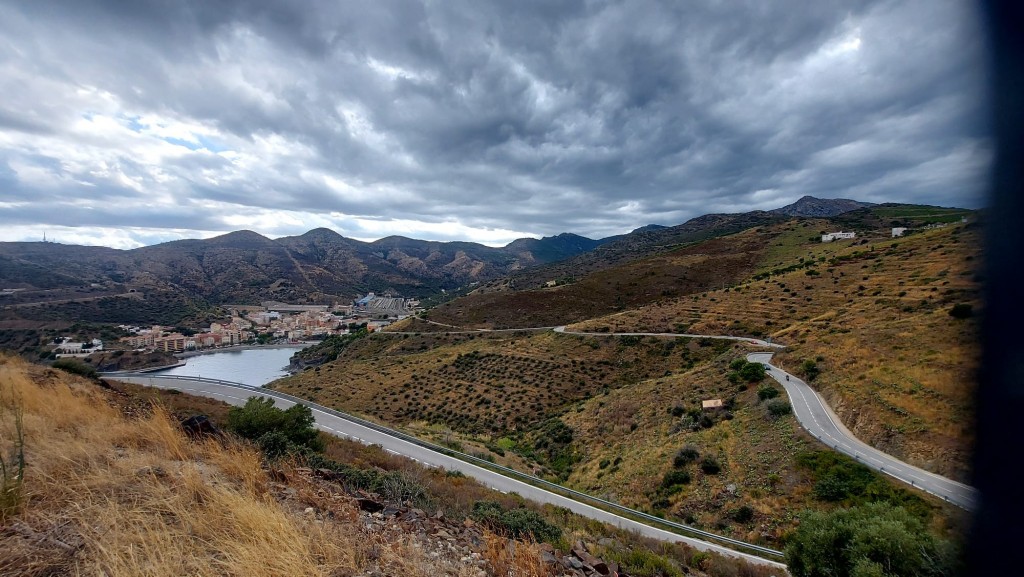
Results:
778 407
753 372
810 370
871 540
767 392
515 523
76 367
675 478
260 421
685 456
839 479
710 466
743 514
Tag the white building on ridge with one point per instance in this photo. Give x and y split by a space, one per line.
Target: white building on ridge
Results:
831 236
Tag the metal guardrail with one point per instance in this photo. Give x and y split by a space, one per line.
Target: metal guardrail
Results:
508 472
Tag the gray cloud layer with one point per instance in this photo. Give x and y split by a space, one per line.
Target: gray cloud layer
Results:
475 120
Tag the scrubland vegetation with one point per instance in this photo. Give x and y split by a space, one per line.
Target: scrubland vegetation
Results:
113 486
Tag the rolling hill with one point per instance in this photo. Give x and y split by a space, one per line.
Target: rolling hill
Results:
243 266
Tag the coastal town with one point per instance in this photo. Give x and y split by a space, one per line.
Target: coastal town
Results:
271 322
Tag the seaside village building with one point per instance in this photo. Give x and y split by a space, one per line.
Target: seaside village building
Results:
831 236
219 335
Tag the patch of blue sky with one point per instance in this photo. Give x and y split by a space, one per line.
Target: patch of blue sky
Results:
133 123
200 142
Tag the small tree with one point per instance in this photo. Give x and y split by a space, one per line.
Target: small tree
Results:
685 456
810 369
710 466
753 372
875 539
766 392
259 417
778 407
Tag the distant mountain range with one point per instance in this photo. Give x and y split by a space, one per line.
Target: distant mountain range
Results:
322 266
242 266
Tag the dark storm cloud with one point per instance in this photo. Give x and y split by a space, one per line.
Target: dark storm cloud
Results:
528 117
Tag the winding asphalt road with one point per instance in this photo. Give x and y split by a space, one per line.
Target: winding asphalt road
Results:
811 411
821 422
330 421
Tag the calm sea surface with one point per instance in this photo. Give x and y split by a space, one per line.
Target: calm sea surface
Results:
255 367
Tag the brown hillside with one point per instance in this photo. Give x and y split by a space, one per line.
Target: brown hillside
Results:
698 267
632 435
114 496
875 317
487 383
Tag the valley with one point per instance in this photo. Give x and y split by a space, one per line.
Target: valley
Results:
677 426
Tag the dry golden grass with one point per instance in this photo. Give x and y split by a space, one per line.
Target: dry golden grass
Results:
111 496
898 369
486 385
757 453
509 557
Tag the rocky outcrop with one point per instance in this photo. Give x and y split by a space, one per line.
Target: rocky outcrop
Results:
462 542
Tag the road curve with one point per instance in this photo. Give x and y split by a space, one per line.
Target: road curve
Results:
818 418
329 421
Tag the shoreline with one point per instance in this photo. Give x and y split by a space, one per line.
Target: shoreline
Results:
189 354
143 370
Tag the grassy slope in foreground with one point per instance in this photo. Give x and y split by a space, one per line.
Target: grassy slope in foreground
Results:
108 495
117 495
875 320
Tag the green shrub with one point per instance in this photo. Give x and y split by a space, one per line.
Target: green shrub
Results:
393 486
810 370
753 372
710 466
839 479
767 392
643 562
259 416
76 367
685 456
744 514
778 407
674 478
516 523
874 539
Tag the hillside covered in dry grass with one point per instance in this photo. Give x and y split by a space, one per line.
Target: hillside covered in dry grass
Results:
867 321
104 494
113 486
870 323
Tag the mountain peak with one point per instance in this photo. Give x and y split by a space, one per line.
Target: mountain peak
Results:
818 207
321 232
239 236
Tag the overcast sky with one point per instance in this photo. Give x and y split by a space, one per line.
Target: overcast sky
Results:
125 123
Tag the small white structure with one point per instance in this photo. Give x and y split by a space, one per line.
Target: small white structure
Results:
831 236
711 404
898 231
